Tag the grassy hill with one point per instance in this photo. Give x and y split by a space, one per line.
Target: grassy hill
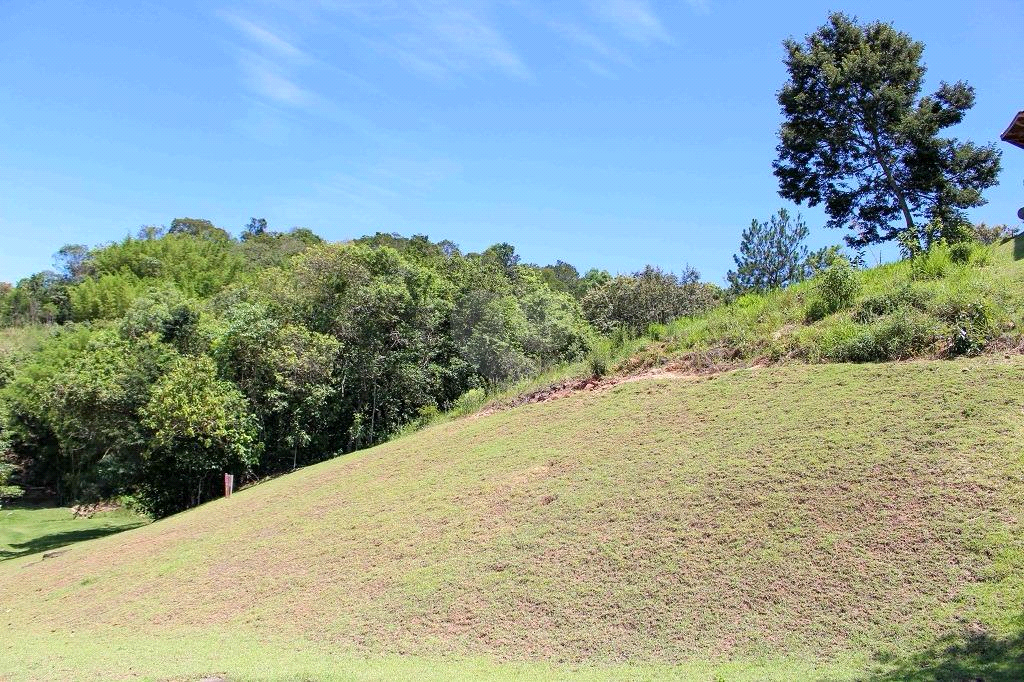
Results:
789 522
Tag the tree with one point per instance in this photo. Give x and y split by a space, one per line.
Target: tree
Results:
772 254
200 427
504 254
72 261
285 372
651 296
990 234
858 137
562 276
8 491
255 228
196 227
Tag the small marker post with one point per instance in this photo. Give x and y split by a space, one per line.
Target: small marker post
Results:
229 484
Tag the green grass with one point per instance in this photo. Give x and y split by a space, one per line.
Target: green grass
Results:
23 339
933 307
832 522
26 529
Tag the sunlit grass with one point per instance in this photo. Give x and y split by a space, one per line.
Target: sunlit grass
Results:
789 522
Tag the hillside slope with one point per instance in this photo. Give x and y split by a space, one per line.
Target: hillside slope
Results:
770 523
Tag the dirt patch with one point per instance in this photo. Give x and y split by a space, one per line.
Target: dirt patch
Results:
562 389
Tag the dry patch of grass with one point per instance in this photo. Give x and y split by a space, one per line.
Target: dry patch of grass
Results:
822 513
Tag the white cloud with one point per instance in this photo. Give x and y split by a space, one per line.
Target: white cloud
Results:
440 39
264 78
268 63
263 37
634 19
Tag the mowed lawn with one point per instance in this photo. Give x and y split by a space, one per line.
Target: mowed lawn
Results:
830 522
27 529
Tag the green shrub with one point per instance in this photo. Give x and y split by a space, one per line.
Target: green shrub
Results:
900 335
932 264
470 401
425 415
835 288
598 363
873 307
973 323
619 337
816 310
961 252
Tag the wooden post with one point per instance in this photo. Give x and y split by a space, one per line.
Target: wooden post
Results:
229 484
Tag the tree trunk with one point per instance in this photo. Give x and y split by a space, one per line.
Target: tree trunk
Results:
891 181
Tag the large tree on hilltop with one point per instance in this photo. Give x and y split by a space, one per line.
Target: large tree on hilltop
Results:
858 137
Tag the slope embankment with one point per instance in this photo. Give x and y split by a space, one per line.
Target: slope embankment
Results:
817 518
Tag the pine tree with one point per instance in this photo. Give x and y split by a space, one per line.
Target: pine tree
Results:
772 254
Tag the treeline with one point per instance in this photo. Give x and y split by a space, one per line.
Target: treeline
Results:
183 353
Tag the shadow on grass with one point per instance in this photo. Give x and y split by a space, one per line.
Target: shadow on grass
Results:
979 658
45 543
1018 247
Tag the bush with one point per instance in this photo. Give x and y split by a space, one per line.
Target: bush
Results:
973 252
816 310
425 415
598 366
973 323
835 288
902 334
619 337
932 264
874 307
962 252
650 296
470 401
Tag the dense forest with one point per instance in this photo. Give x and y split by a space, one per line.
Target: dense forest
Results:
165 359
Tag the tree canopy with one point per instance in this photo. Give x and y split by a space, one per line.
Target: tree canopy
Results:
859 138
181 354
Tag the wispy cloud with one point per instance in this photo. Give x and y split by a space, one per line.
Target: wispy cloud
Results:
265 78
700 6
268 62
634 19
263 37
386 183
439 39
581 37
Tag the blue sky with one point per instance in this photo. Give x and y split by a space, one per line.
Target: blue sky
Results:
609 133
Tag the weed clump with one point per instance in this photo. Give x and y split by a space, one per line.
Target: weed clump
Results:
973 323
900 335
836 289
933 263
874 307
470 401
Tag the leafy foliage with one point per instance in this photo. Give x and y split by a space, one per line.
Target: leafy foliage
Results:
859 138
836 288
184 353
651 296
992 234
200 426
